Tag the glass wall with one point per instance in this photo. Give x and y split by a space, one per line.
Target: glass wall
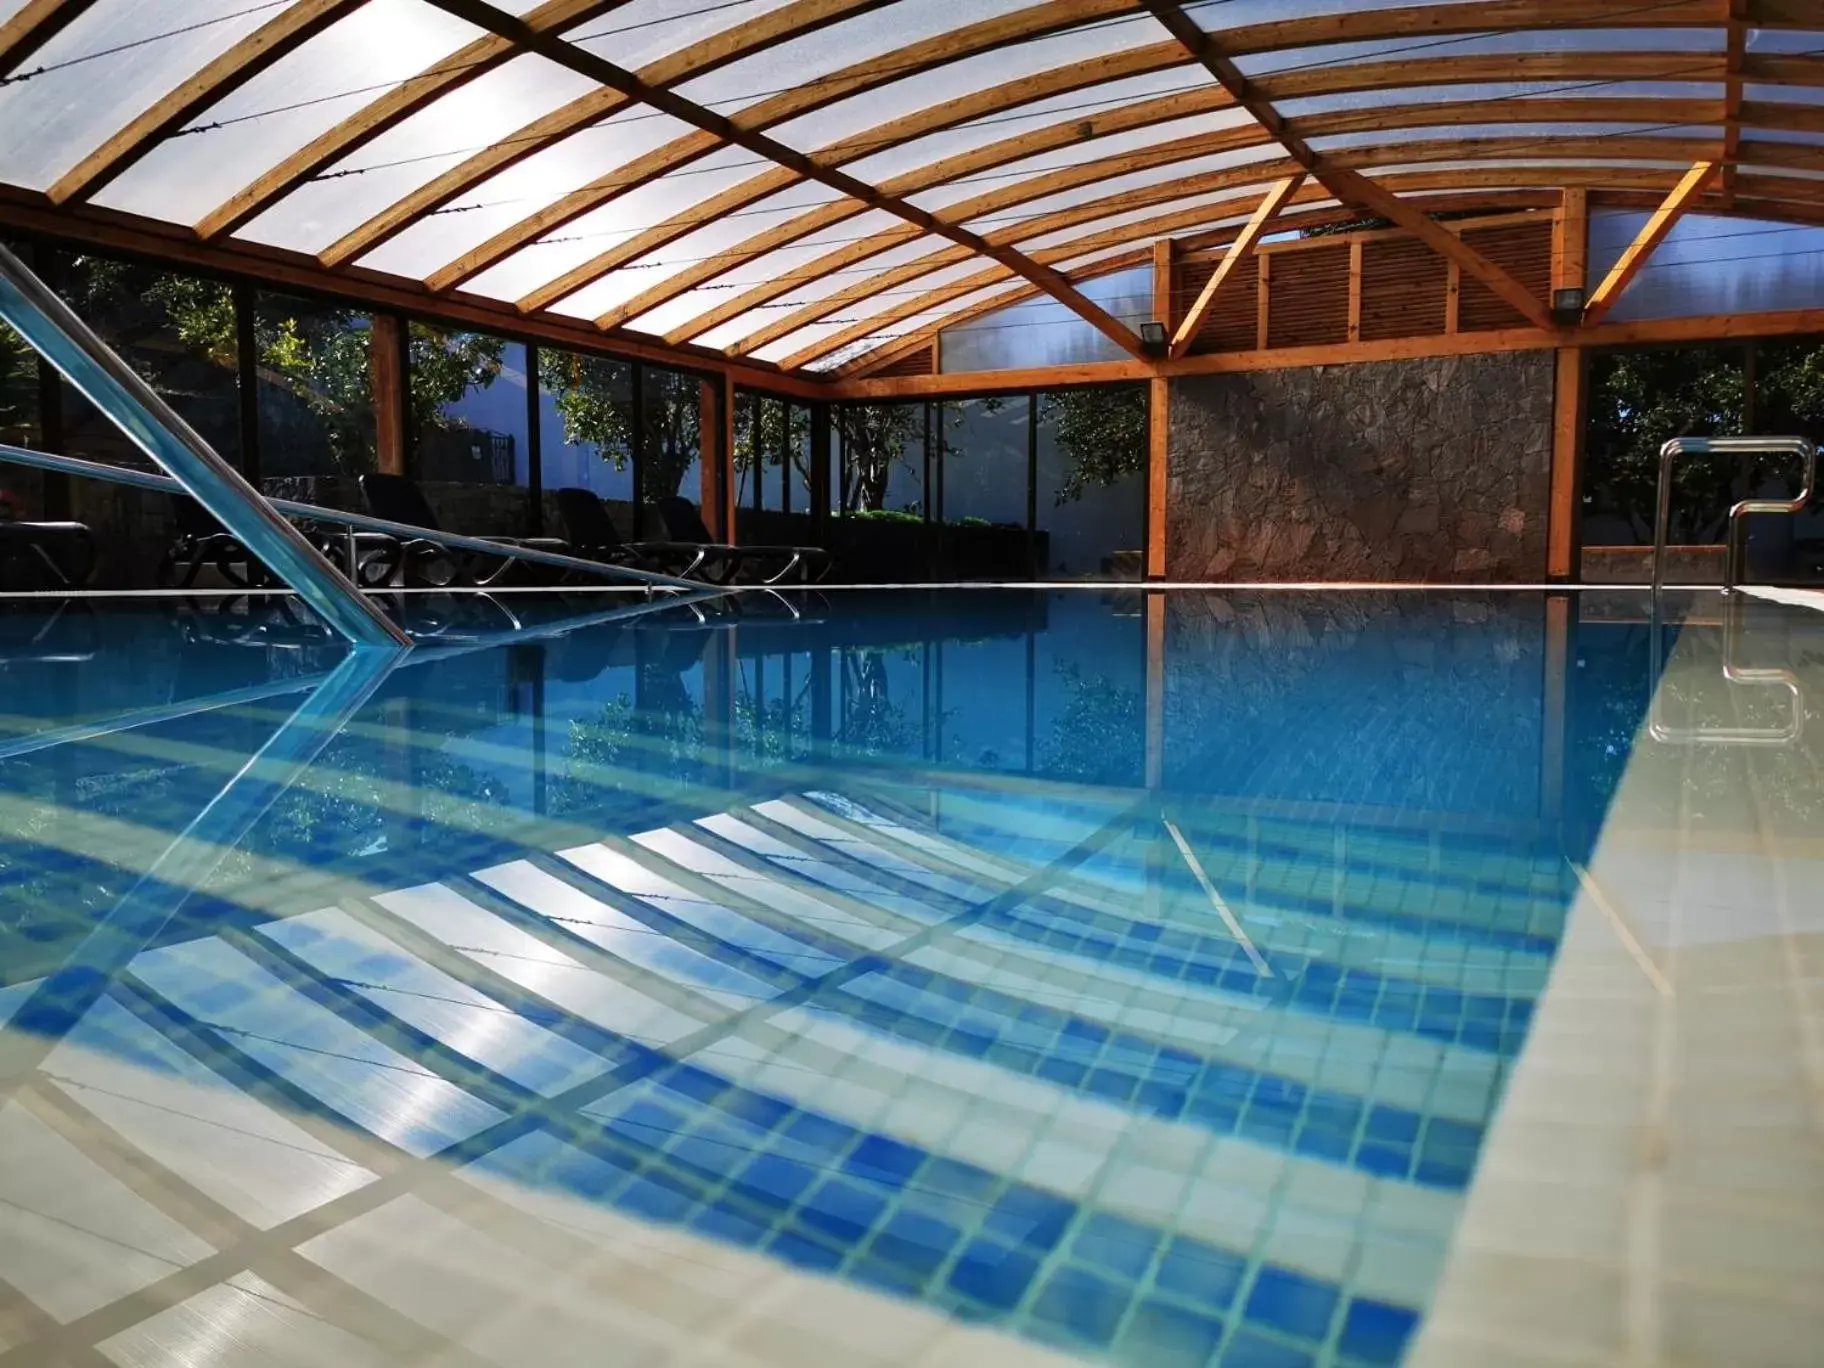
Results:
470 433
1091 474
1640 398
586 426
178 332
315 384
18 390
772 454
879 459
672 414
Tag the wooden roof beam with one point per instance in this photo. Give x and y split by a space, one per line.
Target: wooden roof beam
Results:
1037 20
34 26
279 36
1735 22
1346 185
1237 253
606 73
1651 234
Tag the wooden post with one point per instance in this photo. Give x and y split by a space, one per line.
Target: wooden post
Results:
1158 434
392 393
1569 407
1355 290
1165 253
1570 252
716 456
1453 297
1262 293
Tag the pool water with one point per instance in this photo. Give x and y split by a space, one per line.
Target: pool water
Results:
900 978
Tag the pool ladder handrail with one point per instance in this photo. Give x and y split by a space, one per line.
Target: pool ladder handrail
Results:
1737 544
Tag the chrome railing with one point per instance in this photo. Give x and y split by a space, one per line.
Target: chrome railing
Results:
1737 546
52 329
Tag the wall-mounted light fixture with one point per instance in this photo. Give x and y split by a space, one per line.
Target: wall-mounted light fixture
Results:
1153 338
1567 306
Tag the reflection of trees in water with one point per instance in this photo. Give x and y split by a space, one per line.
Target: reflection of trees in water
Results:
1094 738
663 737
872 723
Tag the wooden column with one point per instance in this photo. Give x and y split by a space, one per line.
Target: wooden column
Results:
1570 250
1158 433
392 393
1263 300
1165 255
1355 290
716 450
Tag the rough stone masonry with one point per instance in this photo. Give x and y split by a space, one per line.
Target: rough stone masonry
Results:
1435 469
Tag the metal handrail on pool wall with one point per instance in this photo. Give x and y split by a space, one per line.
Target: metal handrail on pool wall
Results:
1738 540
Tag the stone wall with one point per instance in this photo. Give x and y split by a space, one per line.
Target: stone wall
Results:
1434 469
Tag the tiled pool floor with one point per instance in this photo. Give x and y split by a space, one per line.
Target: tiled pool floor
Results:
887 1060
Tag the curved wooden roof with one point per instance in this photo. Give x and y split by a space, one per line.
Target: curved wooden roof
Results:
808 183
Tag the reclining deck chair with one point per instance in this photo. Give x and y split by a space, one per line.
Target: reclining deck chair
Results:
767 564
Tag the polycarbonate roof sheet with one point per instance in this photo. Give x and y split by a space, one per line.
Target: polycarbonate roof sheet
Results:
105 70
425 167
309 91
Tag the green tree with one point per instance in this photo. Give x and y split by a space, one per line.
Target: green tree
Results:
594 395
1102 431
769 433
1639 400
874 439
18 387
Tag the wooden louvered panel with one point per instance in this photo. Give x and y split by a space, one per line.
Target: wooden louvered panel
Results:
1524 250
1403 289
920 361
1230 323
1308 302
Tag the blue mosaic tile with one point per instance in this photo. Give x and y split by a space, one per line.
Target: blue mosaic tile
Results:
1161 1335
1375 1333
1248 1350
1117 1244
1200 1273
1291 1303
1082 1305
994 1274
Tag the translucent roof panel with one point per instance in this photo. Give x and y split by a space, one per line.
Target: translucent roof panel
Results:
424 147
644 31
1711 265
509 197
805 60
971 75
1082 195
1516 42
612 224
103 71
1042 332
703 247
1077 105
769 266
1540 135
333 76
1518 92
917 323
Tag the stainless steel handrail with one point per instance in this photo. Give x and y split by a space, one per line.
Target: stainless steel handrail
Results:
1737 545
145 479
52 329
1734 674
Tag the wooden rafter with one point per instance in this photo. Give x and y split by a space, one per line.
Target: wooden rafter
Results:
1066 133
1652 233
893 66
606 73
1351 77
468 63
34 26
1257 173
287 31
1735 52
485 54
1238 251
1349 186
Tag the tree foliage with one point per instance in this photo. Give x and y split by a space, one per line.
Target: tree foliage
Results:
594 396
18 387
1639 400
1101 431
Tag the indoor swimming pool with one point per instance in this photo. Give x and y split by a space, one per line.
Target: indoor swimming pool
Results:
1172 979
